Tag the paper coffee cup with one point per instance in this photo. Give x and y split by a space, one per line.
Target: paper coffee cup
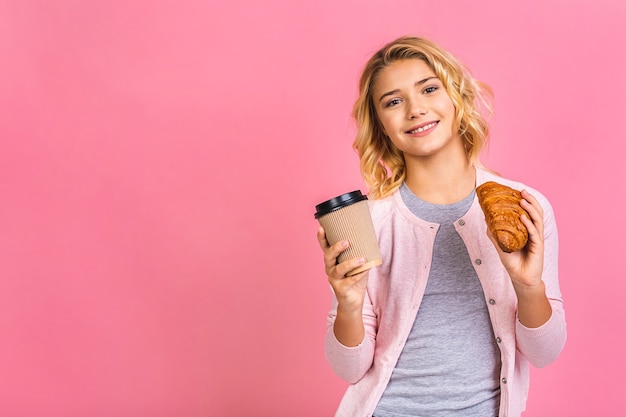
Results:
348 217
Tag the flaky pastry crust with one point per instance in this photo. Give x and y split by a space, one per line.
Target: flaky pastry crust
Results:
500 204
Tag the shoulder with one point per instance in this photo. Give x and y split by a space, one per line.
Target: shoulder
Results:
381 208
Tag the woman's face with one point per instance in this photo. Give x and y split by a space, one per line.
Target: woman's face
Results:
415 110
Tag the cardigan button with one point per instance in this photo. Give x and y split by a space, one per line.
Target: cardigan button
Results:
504 380
461 222
478 262
498 340
492 301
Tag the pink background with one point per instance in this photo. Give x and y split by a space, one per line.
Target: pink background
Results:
160 162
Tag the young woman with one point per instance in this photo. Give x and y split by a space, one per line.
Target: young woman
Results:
448 324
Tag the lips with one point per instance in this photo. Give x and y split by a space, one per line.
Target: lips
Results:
422 128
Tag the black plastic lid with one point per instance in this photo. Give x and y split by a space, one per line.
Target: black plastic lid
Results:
338 202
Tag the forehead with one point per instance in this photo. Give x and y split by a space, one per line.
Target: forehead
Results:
401 74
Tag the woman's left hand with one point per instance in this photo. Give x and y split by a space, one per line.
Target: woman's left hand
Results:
525 267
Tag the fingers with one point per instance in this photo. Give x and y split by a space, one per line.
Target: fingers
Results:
525 266
321 238
337 273
532 206
343 268
534 224
331 252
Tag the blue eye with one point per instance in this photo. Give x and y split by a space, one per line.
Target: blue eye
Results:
392 102
429 90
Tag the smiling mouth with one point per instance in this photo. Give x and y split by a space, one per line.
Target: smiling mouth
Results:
423 128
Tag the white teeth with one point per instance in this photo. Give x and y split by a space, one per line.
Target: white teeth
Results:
421 129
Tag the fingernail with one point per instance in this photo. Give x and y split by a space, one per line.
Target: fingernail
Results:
344 244
361 260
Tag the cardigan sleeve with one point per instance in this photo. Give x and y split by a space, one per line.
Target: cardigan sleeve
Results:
351 363
543 344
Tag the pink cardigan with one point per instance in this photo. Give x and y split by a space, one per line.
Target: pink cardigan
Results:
396 288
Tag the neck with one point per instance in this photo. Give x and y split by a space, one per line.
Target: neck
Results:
441 182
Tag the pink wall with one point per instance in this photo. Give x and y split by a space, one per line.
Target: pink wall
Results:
159 166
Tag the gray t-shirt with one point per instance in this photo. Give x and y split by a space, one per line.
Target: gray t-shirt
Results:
450 365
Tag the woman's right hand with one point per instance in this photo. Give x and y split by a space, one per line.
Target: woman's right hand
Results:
349 290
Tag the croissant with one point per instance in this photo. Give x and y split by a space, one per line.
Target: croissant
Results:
500 204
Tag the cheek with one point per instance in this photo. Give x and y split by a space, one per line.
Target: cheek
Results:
384 124
390 121
384 127
449 108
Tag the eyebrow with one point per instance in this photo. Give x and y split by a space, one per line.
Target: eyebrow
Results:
390 93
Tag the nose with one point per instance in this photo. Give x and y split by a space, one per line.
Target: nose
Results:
416 108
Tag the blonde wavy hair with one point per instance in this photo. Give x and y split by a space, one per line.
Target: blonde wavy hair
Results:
382 164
